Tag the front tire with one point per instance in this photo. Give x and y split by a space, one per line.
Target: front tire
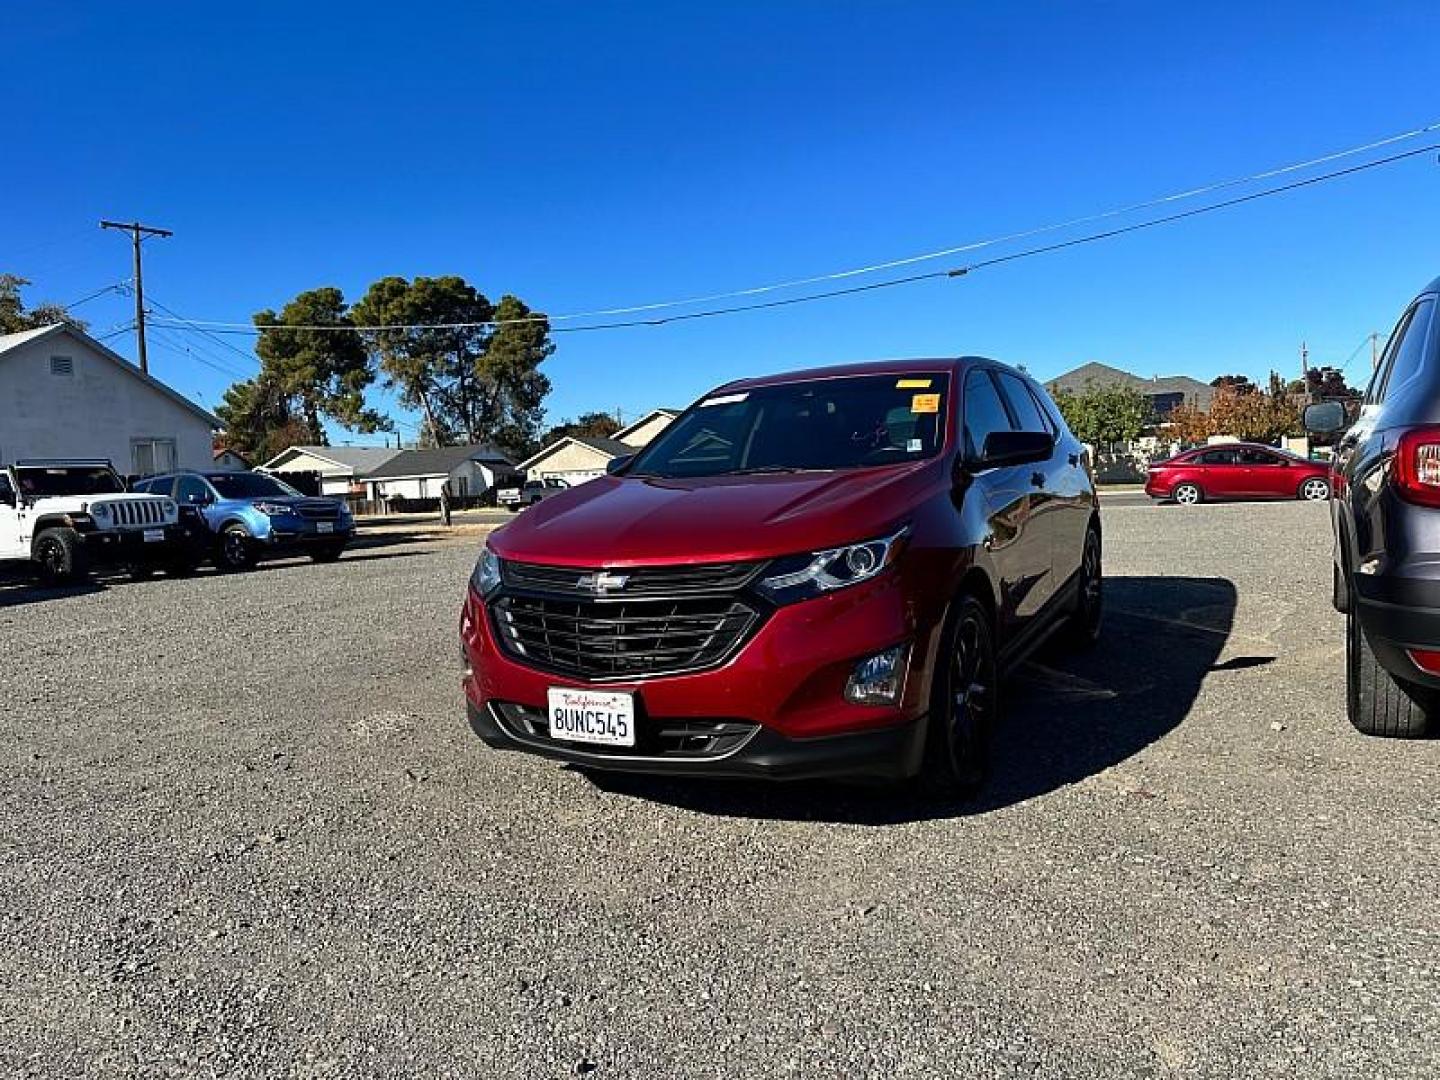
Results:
59 556
1188 494
237 549
1314 490
964 701
1376 702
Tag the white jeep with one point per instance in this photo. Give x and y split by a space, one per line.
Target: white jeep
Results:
67 516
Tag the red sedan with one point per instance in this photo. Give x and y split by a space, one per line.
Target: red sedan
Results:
1237 471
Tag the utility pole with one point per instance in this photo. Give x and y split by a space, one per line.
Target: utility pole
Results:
1304 362
137 233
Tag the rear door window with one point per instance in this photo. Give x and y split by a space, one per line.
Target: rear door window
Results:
1027 414
191 489
984 411
1257 457
1407 355
1217 457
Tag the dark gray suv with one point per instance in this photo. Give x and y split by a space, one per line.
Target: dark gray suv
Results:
1386 510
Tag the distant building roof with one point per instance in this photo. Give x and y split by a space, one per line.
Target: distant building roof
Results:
359 461
1193 390
669 414
224 450
438 461
24 337
611 448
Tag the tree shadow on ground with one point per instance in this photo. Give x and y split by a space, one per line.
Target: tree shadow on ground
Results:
1067 716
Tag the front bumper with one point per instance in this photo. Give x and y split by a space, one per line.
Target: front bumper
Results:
122 547
888 754
786 681
298 535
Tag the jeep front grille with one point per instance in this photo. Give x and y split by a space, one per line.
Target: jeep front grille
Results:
138 513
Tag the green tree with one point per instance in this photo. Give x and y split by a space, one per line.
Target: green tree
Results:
1240 384
13 316
259 420
593 424
324 373
474 381
1101 415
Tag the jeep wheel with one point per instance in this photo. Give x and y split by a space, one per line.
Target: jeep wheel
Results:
963 704
237 550
1376 702
59 556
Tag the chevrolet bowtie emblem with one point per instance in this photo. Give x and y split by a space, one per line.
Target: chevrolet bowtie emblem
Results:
602 582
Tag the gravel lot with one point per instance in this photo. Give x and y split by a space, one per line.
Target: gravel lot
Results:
246 832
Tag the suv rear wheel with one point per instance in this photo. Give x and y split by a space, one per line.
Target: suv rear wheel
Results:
963 704
1377 702
1084 624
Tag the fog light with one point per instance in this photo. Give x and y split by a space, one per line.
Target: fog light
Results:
878 679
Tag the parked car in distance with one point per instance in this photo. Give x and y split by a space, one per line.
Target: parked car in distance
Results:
1237 470
69 516
1386 515
824 573
249 516
528 493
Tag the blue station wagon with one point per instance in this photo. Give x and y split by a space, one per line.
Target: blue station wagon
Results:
250 516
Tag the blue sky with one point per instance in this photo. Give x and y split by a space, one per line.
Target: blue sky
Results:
585 155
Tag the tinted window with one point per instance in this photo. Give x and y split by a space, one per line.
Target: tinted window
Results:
1217 457
1409 352
841 423
191 489
59 481
243 485
984 412
1027 414
1257 457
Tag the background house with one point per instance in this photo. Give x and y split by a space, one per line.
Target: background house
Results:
577 458
418 474
342 470
64 394
229 459
1164 391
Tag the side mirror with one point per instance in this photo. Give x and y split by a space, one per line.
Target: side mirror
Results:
1324 417
615 465
1014 448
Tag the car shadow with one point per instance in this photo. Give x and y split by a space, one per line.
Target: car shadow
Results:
19 589
1067 716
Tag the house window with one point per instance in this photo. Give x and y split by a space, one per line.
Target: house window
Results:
63 366
150 456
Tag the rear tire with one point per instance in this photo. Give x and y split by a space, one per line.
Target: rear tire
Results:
964 701
59 556
1188 494
1376 702
1083 626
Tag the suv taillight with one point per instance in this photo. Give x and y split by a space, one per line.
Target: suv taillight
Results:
1415 471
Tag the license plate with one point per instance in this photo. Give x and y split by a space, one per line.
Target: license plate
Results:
589 716
324 527
154 536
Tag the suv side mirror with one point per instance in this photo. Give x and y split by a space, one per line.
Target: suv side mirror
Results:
1014 448
1324 417
617 464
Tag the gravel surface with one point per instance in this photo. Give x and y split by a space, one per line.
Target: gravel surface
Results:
245 831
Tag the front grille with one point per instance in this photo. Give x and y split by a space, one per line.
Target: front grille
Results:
639 581
654 737
138 512
320 510
616 639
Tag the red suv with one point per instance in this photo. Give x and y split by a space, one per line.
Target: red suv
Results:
1237 471
823 573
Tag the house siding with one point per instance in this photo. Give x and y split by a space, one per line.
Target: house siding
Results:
98 411
573 462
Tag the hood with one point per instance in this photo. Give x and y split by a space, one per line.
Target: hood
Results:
635 521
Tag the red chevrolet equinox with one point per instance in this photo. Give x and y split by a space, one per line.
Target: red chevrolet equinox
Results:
819 574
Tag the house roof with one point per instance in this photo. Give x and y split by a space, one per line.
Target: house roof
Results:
218 454
610 448
360 461
10 342
651 415
1105 375
439 461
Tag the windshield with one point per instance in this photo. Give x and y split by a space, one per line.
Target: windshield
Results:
242 485
815 424
62 480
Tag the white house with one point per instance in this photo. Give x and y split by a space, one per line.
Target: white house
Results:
343 470
231 461
419 474
64 394
577 458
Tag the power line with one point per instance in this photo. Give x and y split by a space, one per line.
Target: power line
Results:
232 327
248 357
117 286
138 233
194 354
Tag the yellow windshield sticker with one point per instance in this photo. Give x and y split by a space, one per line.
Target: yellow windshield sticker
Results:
913 384
925 403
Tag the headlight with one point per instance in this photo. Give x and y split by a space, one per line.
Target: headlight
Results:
100 512
274 509
486 577
803 576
